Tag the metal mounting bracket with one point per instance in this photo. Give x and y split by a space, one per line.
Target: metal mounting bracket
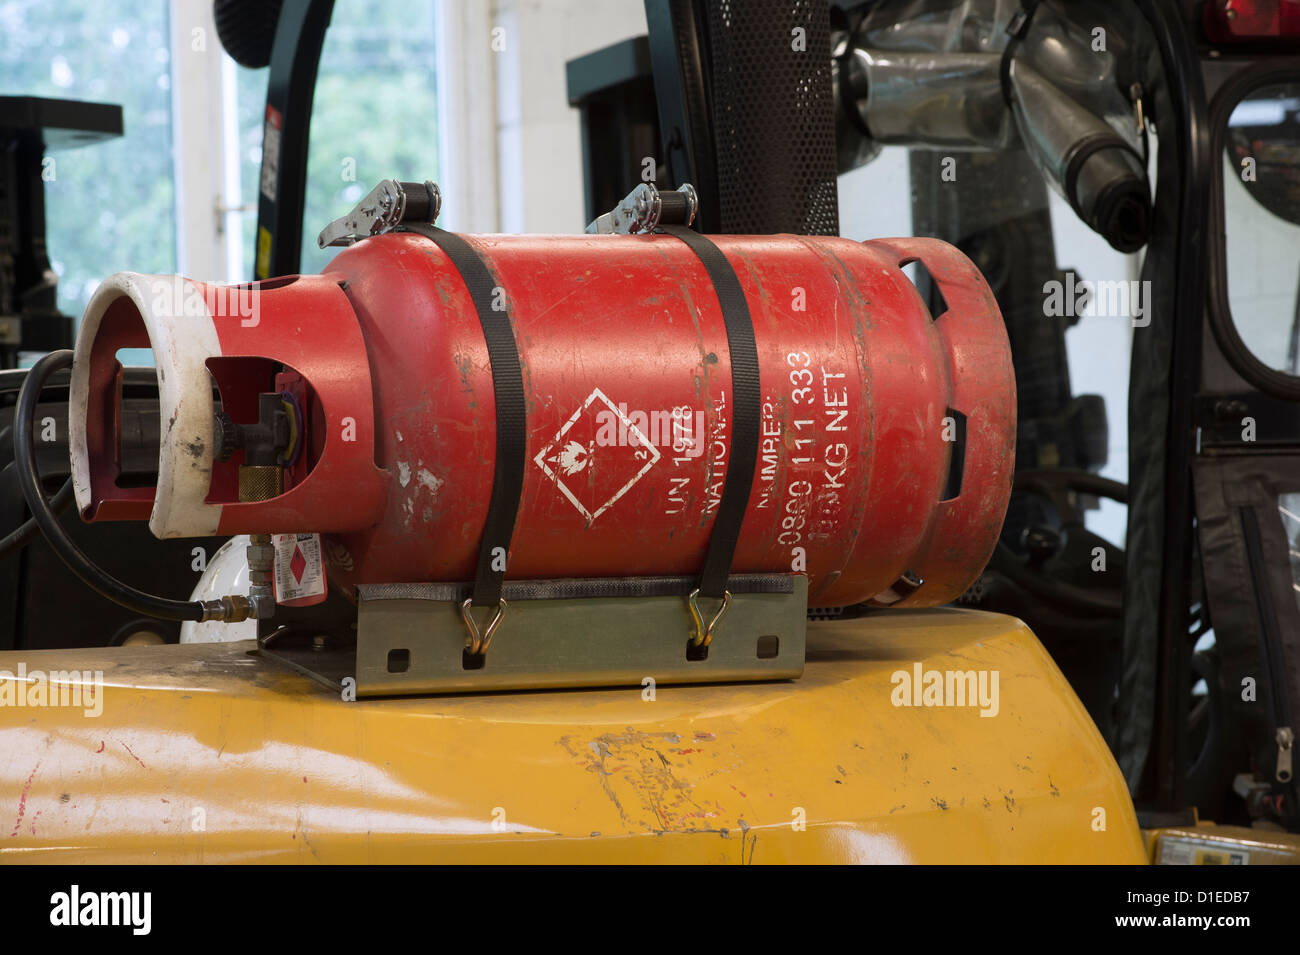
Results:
411 639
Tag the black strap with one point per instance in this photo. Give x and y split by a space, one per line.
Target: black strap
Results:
746 410
508 387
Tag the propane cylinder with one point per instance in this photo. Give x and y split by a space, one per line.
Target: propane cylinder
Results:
886 434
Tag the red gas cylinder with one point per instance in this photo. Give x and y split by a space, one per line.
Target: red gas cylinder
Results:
886 447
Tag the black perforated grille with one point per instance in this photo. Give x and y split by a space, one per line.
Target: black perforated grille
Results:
774 127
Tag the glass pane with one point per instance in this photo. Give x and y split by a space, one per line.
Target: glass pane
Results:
374 116
1288 506
1261 205
110 206
1022 234
250 103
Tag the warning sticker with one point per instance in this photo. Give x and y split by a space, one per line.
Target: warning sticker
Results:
263 252
271 153
1177 849
299 571
590 472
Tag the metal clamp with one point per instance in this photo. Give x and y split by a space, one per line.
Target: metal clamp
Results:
387 206
1139 113
645 208
704 633
410 640
477 643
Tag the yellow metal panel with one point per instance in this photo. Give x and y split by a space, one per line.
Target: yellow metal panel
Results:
1208 844
206 753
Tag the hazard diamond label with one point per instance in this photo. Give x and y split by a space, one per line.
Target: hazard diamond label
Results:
299 570
594 474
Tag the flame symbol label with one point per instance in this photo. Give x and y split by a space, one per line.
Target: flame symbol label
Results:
572 459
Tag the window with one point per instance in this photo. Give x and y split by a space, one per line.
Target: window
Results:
374 116
1261 204
1028 230
179 190
110 206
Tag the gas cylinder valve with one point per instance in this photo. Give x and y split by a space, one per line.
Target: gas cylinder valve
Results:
268 445
270 440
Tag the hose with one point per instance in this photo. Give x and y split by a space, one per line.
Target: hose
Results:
22 535
29 479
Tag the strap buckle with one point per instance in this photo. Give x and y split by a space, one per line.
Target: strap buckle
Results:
704 632
477 642
386 207
645 208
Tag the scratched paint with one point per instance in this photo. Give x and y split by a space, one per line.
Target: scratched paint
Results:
285 771
855 381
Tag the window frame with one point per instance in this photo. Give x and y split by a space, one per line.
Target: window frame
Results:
1256 373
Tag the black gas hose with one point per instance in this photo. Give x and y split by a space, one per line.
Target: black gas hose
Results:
29 479
22 535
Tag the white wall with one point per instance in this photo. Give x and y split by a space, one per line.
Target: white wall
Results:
467 146
539 143
876 199
1098 349
205 155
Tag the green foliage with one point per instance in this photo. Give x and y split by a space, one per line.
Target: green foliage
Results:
375 114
